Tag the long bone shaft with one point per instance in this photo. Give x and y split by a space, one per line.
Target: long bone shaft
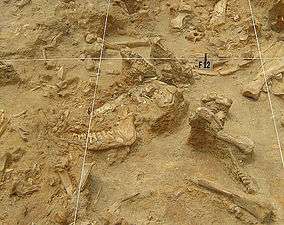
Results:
262 210
242 143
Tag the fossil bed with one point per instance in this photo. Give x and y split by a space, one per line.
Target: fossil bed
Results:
140 172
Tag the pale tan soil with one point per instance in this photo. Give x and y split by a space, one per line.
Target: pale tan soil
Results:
152 172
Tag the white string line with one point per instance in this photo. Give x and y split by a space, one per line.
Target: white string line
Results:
133 58
91 116
266 84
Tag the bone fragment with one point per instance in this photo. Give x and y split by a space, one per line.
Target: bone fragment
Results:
206 72
243 215
277 87
20 114
4 160
229 71
61 73
21 188
86 175
23 3
54 41
177 23
130 44
223 72
244 144
253 88
23 134
4 126
133 44
135 66
66 182
246 180
219 13
123 134
262 210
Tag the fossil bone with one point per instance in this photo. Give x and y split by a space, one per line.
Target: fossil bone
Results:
172 70
157 106
219 13
244 144
207 130
205 124
244 178
218 104
178 22
261 209
66 181
135 66
127 44
4 161
4 125
243 215
86 175
120 135
254 87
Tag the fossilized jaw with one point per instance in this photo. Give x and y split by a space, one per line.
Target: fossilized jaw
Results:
120 135
155 105
249 183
